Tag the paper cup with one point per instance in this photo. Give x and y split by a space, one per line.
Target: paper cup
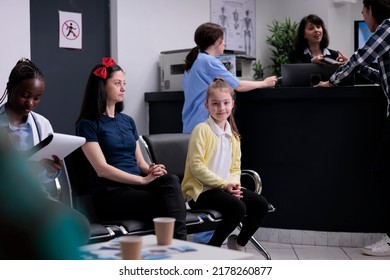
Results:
164 226
131 247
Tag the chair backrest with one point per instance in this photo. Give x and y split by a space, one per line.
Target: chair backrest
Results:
169 149
77 167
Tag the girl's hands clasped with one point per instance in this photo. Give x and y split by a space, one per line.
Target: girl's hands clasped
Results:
234 189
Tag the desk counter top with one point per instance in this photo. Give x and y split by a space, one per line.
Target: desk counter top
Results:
364 91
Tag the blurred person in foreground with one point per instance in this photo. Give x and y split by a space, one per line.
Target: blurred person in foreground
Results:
32 226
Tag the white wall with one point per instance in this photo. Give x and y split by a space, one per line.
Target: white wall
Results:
140 32
144 30
267 11
338 19
15 34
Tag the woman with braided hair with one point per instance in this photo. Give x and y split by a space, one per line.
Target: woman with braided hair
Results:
25 88
49 229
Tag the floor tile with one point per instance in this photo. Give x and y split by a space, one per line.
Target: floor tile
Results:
285 251
334 238
308 237
321 238
307 252
282 254
296 236
273 245
346 239
277 251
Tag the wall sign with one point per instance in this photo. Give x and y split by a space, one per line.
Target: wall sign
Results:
70 30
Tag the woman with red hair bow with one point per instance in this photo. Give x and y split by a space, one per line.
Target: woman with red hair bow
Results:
123 185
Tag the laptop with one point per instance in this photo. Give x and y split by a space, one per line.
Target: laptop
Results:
309 74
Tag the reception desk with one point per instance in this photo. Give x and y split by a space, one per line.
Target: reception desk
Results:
313 148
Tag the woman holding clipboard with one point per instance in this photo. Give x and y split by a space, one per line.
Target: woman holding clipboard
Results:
45 228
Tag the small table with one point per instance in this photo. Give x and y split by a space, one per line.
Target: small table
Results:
179 250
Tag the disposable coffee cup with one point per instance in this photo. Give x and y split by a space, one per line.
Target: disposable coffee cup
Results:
164 226
131 247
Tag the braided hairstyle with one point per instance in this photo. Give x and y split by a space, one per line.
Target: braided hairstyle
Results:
23 70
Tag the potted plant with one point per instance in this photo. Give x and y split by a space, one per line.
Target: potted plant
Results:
281 40
258 70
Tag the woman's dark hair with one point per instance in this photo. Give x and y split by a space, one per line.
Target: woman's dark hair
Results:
380 9
23 70
219 83
205 36
94 101
301 42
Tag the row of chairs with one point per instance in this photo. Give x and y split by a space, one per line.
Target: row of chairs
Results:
169 149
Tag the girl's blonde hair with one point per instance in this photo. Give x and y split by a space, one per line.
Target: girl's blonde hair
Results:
219 83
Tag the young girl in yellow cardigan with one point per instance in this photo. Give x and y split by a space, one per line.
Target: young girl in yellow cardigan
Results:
212 173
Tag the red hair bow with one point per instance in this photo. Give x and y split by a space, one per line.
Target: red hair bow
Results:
102 71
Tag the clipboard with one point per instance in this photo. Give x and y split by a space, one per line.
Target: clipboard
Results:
57 144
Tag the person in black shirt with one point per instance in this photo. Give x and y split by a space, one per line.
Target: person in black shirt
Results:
311 43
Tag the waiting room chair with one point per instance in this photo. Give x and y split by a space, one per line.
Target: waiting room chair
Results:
170 149
76 167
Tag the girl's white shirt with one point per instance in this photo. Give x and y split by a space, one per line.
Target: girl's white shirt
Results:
222 159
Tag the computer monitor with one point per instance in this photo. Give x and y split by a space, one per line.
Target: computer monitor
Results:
361 33
309 74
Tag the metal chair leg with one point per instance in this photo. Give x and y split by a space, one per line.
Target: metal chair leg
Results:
258 246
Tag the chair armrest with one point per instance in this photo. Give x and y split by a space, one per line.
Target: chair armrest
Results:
255 177
145 150
258 184
58 189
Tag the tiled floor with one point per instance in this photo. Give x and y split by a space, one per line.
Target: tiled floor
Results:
281 251
293 251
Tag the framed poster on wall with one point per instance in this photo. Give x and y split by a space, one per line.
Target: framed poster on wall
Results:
238 19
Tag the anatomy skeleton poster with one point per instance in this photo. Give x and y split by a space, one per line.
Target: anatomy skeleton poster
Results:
238 19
